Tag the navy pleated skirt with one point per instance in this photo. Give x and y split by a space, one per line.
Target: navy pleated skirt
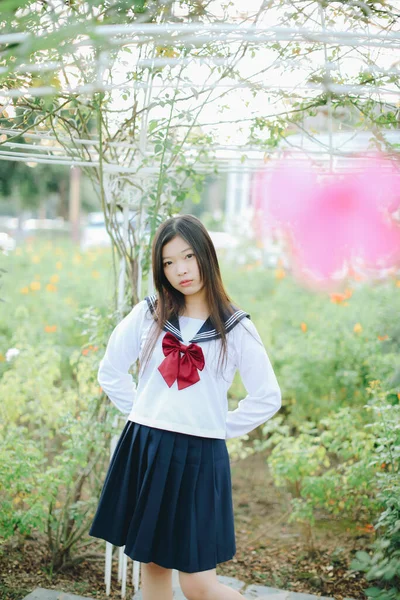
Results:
167 497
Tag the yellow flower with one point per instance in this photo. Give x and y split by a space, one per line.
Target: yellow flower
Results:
303 327
95 274
18 251
77 259
51 288
398 283
50 328
59 264
357 328
69 301
36 259
59 251
280 273
24 290
35 285
2 358
55 278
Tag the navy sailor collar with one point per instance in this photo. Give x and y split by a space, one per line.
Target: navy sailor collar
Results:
207 332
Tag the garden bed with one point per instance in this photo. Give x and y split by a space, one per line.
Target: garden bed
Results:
270 551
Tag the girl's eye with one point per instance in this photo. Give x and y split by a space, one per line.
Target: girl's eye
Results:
168 262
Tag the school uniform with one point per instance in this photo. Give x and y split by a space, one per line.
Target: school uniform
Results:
167 495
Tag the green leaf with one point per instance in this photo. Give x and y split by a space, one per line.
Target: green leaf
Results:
373 592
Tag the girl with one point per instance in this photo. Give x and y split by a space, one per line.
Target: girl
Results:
167 496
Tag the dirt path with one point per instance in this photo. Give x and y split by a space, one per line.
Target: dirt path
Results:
273 552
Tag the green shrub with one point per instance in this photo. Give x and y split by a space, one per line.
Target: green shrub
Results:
54 449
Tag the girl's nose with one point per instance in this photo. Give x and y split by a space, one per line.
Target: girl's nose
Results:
182 270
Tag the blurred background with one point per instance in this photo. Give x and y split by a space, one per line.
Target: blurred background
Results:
115 115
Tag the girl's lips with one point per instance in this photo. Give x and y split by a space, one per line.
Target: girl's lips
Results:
184 283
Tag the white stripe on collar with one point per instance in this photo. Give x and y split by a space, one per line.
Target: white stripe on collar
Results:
206 332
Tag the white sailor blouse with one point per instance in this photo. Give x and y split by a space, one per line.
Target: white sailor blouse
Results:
180 389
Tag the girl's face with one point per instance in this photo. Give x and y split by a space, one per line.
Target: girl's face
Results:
181 267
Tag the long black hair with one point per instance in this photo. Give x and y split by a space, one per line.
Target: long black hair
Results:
170 301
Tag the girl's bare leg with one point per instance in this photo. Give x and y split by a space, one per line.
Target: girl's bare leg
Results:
156 582
205 586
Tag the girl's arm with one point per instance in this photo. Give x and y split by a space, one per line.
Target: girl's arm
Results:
263 398
121 352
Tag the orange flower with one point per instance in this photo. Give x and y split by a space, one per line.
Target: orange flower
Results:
24 290
280 273
55 278
51 288
90 348
50 328
2 358
303 327
338 298
95 274
382 338
35 285
357 328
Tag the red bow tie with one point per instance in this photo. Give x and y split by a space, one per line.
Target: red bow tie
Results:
184 369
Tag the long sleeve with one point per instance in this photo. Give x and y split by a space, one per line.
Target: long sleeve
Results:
122 351
263 398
